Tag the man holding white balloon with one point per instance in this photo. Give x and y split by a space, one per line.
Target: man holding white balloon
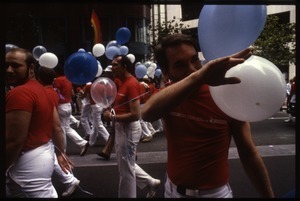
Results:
198 132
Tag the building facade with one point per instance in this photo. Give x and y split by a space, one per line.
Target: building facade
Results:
189 12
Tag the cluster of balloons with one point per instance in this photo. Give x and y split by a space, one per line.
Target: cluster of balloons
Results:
45 59
117 47
224 30
148 68
82 67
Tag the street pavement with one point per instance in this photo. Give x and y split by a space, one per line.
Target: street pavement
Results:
275 141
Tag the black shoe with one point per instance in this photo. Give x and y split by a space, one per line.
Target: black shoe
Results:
103 155
84 149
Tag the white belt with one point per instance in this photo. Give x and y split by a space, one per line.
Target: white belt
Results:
215 192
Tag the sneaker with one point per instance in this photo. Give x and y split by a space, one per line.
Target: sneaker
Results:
71 188
287 120
84 149
103 155
147 138
152 188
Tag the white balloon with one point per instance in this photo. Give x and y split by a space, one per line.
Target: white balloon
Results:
260 94
131 57
153 65
48 60
98 50
100 70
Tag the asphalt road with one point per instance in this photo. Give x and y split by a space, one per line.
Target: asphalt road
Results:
274 138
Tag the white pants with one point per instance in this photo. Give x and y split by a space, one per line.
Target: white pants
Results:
65 111
85 119
62 176
31 174
220 192
99 128
131 175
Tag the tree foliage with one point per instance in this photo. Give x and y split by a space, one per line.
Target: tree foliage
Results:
160 30
276 42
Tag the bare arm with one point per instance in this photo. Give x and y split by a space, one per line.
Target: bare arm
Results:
133 115
17 126
251 159
212 73
58 140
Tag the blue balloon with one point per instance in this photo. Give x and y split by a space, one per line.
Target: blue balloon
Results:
111 52
81 68
123 50
157 73
140 71
123 35
226 29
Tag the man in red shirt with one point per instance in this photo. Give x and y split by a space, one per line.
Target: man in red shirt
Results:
128 130
65 90
46 77
31 121
198 132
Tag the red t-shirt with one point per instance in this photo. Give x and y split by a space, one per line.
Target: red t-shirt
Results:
32 97
198 147
64 87
147 91
127 91
87 89
54 96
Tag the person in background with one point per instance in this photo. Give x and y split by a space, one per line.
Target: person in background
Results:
65 90
291 101
31 122
46 77
147 89
96 113
128 131
198 133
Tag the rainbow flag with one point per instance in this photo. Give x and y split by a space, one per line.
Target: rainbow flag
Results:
97 28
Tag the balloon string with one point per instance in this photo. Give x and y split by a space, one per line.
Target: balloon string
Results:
131 99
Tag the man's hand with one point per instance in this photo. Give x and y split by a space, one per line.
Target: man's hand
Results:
215 70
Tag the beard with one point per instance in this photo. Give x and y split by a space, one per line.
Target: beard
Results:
15 80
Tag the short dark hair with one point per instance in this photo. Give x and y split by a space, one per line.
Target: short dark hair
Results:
29 57
125 61
169 41
46 75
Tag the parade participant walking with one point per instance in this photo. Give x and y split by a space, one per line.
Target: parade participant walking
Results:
96 112
65 90
31 121
198 133
128 131
46 77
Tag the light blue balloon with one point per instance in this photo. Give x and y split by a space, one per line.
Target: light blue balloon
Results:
227 29
111 52
157 73
140 71
123 50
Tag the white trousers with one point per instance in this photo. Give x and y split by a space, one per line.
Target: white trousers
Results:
99 128
65 111
31 174
220 192
85 119
131 175
61 175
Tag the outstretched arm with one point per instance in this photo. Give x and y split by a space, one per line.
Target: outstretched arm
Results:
212 73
